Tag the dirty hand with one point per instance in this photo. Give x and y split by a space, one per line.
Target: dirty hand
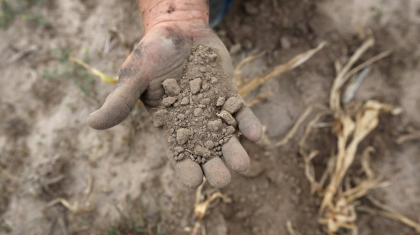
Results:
172 28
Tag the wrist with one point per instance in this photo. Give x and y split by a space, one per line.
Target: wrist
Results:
187 14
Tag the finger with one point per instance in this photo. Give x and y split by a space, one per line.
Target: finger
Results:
121 101
189 172
249 124
235 155
216 172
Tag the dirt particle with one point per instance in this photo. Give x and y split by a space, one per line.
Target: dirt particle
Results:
214 125
181 117
220 101
171 87
185 101
178 149
182 135
159 117
201 151
232 105
198 112
213 80
168 101
195 85
202 69
205 101
230 130
209 144
206 87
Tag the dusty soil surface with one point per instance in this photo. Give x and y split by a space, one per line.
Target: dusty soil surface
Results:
119 181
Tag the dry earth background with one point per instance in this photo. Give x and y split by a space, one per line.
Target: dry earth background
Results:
118 181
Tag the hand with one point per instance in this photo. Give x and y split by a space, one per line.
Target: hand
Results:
162 54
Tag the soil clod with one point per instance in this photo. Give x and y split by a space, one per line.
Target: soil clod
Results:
194 113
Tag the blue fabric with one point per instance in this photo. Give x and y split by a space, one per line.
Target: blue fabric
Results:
218 10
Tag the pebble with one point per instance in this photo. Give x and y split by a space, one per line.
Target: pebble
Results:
201 151
202 69
220 101
213 80
171 87
181 117
197 112
178 149
182 135
232 105
185 101
206 87
168 101
171 140
214 125
209 144
195 85
205 101
181 157
159 117
230 130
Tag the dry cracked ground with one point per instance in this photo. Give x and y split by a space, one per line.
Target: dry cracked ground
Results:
58 176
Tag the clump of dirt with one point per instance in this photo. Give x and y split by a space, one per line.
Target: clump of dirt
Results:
196 110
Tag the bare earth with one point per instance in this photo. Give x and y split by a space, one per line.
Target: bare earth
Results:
119 181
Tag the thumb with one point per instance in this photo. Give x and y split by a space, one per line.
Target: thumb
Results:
118 105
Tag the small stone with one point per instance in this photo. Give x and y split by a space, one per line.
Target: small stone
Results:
168 101
220 101
224 130
205 101
220 142
182 135
198 112
172 130
198 159
171 87
185 101
212 57
181 117
202 69
171 140
206 87
195 85
285 43
159 117
218 148
201 151
201 106
178 149
181 157
209 144
213 80
230 130
214 125
200 96
232 105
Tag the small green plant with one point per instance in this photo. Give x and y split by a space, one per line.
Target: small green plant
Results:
66 69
